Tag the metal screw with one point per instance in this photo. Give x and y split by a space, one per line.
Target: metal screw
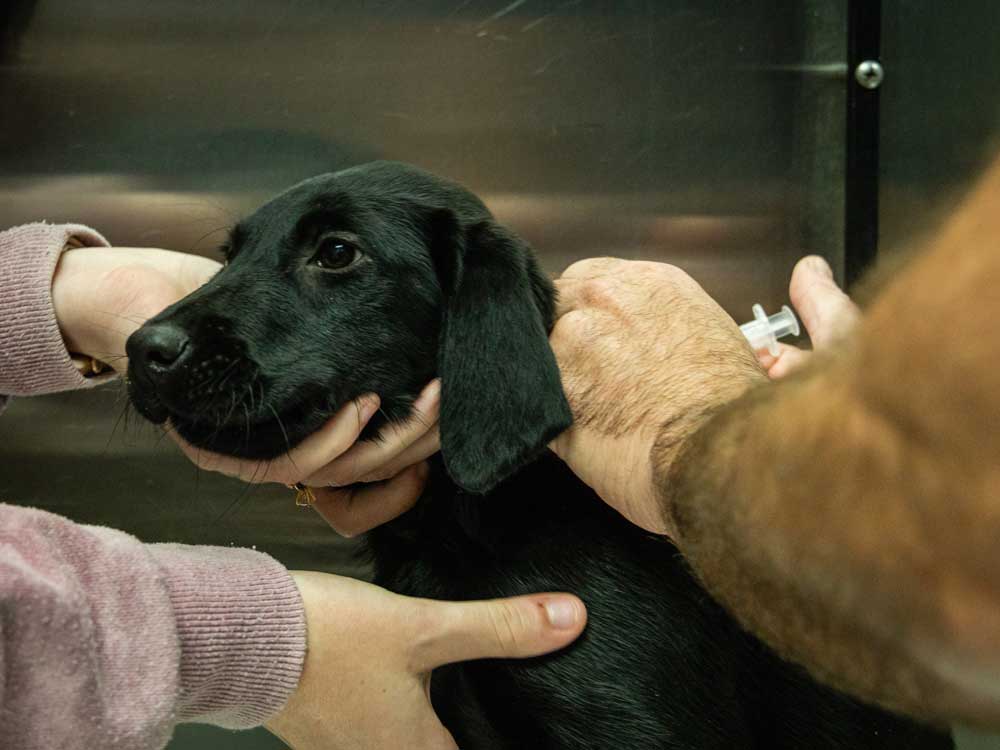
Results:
869 74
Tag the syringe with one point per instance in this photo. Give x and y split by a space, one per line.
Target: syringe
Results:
763 332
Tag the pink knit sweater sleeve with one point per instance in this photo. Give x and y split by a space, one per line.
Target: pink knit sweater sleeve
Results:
105 641
33 358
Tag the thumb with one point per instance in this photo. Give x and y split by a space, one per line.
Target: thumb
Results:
518 627
826 312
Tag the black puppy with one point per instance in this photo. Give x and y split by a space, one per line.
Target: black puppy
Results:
380 277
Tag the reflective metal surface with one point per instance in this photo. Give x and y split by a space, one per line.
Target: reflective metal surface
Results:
676 130
708 134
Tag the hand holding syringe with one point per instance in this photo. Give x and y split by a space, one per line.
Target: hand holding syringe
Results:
826 313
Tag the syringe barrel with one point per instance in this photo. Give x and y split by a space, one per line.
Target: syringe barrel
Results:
756 332
783 323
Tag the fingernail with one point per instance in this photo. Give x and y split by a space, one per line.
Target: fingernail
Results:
821 267
563 613
428 396
368 408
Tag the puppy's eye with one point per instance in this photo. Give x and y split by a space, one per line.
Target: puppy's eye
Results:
336 254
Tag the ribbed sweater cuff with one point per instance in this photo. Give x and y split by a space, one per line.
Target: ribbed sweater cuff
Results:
33 356
242 631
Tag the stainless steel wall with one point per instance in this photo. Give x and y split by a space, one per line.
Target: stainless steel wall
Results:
709 134
706 133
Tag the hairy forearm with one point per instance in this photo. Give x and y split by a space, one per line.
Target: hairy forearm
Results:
850 516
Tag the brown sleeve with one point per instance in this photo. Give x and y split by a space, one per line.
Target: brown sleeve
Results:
851 516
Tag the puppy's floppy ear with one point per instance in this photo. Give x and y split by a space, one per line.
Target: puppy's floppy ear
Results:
501 396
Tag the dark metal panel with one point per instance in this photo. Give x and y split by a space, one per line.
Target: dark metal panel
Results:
861 200
940 111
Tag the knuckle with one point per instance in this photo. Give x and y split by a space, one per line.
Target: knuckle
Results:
342 514
599 290
670 276
664 269
592 265
343 524
428 625
338 476
508 626
347 531
572 323
380 474
579 267
271 473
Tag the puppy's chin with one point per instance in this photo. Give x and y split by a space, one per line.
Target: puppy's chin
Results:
259 433
254 440
148 405
271 438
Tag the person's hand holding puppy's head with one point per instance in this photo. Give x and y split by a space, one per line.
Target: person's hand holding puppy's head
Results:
101 295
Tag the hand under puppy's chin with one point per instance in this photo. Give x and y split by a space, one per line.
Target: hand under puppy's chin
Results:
260 441
231 431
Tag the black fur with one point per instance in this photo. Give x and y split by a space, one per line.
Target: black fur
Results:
277 345
494 343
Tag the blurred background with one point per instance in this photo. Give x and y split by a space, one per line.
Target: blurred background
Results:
714 135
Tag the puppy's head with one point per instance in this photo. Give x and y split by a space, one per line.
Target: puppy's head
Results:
374 279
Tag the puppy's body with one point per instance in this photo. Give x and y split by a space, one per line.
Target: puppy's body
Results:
430 284
617 686
660 666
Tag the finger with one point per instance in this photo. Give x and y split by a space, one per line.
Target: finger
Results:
826 312
445 740
354 510
362 459
519 627
563 443
569 296
424 448
196 271
335 437
426 733
767 360
789 359
434 737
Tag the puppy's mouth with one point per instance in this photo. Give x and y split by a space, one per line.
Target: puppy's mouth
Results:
231 414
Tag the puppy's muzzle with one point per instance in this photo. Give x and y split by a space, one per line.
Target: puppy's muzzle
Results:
200 373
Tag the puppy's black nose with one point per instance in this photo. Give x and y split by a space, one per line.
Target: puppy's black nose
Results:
157 349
